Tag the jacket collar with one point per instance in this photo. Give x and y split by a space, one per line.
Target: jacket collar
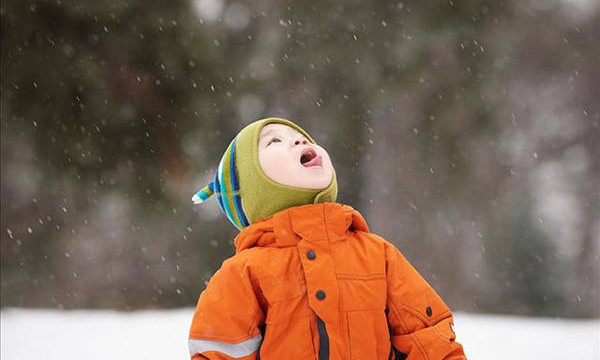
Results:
314 222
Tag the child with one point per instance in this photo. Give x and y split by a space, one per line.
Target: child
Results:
308 280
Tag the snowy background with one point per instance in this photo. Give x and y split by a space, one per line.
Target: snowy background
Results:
466 132
162 334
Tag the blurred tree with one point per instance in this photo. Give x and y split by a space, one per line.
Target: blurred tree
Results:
95 88
527 268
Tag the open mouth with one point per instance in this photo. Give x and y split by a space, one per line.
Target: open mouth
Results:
310 158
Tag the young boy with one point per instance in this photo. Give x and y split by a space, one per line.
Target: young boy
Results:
308 280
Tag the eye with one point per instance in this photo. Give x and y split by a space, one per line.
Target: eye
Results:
274 139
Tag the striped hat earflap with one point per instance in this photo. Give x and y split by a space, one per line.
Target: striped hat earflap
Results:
226 187
203 195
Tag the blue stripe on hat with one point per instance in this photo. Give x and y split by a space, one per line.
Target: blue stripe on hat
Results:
237 220
238 204
224 202
237 200
234 182
219 193
231 183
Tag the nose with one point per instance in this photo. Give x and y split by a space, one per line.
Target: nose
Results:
302 141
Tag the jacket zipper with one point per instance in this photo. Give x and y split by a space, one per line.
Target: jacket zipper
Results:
323 340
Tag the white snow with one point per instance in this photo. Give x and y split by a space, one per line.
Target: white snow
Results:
162 334
492 337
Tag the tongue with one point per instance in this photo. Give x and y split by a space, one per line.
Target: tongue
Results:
316 161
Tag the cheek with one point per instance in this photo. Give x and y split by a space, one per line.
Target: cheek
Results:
328 173
274 164
326 160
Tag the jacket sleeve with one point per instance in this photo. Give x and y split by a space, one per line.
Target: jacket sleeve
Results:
420 322
227 318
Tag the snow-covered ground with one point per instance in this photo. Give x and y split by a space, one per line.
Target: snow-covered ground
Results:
162 334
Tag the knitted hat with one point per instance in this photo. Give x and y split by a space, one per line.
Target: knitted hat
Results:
244 193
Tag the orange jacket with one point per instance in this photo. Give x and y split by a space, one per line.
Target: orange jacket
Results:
311 282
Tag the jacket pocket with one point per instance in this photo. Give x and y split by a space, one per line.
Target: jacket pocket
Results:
289 339
369 334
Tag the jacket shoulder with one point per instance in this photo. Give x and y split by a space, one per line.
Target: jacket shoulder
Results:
245 258
373 237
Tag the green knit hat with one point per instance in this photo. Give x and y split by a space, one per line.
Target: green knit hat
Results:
244 193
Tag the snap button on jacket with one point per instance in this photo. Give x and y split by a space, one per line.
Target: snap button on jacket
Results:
311 282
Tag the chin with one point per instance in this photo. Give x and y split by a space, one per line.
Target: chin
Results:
312 186
318 182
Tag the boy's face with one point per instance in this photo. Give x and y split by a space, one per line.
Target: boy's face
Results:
288 158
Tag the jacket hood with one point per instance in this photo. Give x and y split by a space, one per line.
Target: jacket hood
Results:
324 221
